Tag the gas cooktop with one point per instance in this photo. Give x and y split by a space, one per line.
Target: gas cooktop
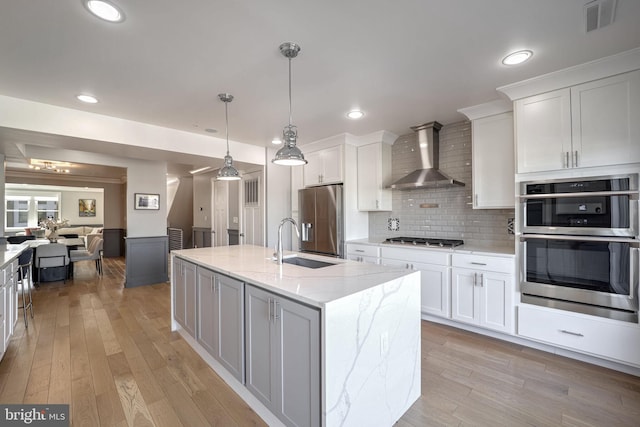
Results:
424 241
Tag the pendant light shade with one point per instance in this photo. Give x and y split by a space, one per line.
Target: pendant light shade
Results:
289 154
228 171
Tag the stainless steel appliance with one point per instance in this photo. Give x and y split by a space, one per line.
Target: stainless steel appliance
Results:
321 220
579 247
604 206
424 241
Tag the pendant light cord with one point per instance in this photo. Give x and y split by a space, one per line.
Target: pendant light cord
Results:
226 118
290 116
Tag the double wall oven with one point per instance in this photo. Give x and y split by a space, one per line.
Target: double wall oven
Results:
579 245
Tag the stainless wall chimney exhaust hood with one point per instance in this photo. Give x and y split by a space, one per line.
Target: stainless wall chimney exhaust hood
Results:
427 174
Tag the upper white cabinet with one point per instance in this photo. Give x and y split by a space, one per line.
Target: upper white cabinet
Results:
324 167
374 172
492 162
591 124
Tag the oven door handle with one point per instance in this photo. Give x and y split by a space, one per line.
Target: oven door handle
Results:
632 242
633 194
633 272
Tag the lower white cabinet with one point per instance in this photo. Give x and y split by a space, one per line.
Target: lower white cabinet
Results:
4 336
221 319
283 356
184 297
611 339
434 267
482 289
368 254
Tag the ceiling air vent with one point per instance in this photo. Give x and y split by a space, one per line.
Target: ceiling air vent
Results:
599 13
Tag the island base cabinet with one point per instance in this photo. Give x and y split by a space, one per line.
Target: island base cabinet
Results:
221 319
283 356
184 297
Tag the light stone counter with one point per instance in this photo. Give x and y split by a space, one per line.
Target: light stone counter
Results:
370 330
315 287
489 248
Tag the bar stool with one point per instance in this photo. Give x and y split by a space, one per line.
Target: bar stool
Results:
25 259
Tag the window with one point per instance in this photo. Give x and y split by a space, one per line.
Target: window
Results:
28 210
47 207
17 211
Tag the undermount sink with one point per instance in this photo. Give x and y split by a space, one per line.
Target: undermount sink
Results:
306 262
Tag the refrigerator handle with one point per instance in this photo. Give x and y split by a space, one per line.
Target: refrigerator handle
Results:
307 233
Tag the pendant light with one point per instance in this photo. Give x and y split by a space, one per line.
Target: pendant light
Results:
228 171
289 154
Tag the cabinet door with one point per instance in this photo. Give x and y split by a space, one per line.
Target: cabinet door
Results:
207 317
179 305
230 324
312 171
190 297
332 160
605 121
260 356
374 169
4 336
543 131
464 296
496 311
493 170
298 355
435 289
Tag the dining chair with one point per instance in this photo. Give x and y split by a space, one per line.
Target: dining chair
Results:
50 256
93 252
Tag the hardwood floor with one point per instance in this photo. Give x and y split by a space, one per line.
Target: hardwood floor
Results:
109 352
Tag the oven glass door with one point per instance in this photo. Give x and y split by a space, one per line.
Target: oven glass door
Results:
594 266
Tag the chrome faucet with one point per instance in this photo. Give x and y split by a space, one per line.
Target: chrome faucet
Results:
278 253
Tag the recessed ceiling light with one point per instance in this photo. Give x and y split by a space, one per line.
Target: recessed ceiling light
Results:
104 10
355 114
210 130
518 57
87 99
276 141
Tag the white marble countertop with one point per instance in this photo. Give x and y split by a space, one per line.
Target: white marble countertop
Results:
315 287
9 252
477 249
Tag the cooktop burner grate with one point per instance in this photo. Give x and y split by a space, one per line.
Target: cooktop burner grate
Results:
425 241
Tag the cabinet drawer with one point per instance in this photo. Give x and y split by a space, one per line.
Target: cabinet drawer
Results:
363 250
605 338
440 257
485 262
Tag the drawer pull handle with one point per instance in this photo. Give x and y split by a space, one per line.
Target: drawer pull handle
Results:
478 263
359 250
575 334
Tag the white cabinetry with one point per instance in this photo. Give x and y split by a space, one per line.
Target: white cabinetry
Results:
221 319
4 335
324 166
374 172
283 356
611 339
592 124
482 289
184 297
434 267
363 253
492 162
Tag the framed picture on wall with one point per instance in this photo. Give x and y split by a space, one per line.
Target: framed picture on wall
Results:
86 207
146 201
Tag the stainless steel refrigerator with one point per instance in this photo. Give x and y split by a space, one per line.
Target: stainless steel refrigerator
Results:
321 220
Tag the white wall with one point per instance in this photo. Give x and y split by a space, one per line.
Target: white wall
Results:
69 206
278 199
148 178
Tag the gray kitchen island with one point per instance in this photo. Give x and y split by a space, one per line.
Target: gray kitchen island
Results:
336 345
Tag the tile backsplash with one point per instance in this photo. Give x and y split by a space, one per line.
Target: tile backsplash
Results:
454 216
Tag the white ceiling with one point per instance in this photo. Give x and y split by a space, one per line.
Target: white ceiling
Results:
402 62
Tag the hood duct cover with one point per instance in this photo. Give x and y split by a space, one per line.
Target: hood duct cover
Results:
427 174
